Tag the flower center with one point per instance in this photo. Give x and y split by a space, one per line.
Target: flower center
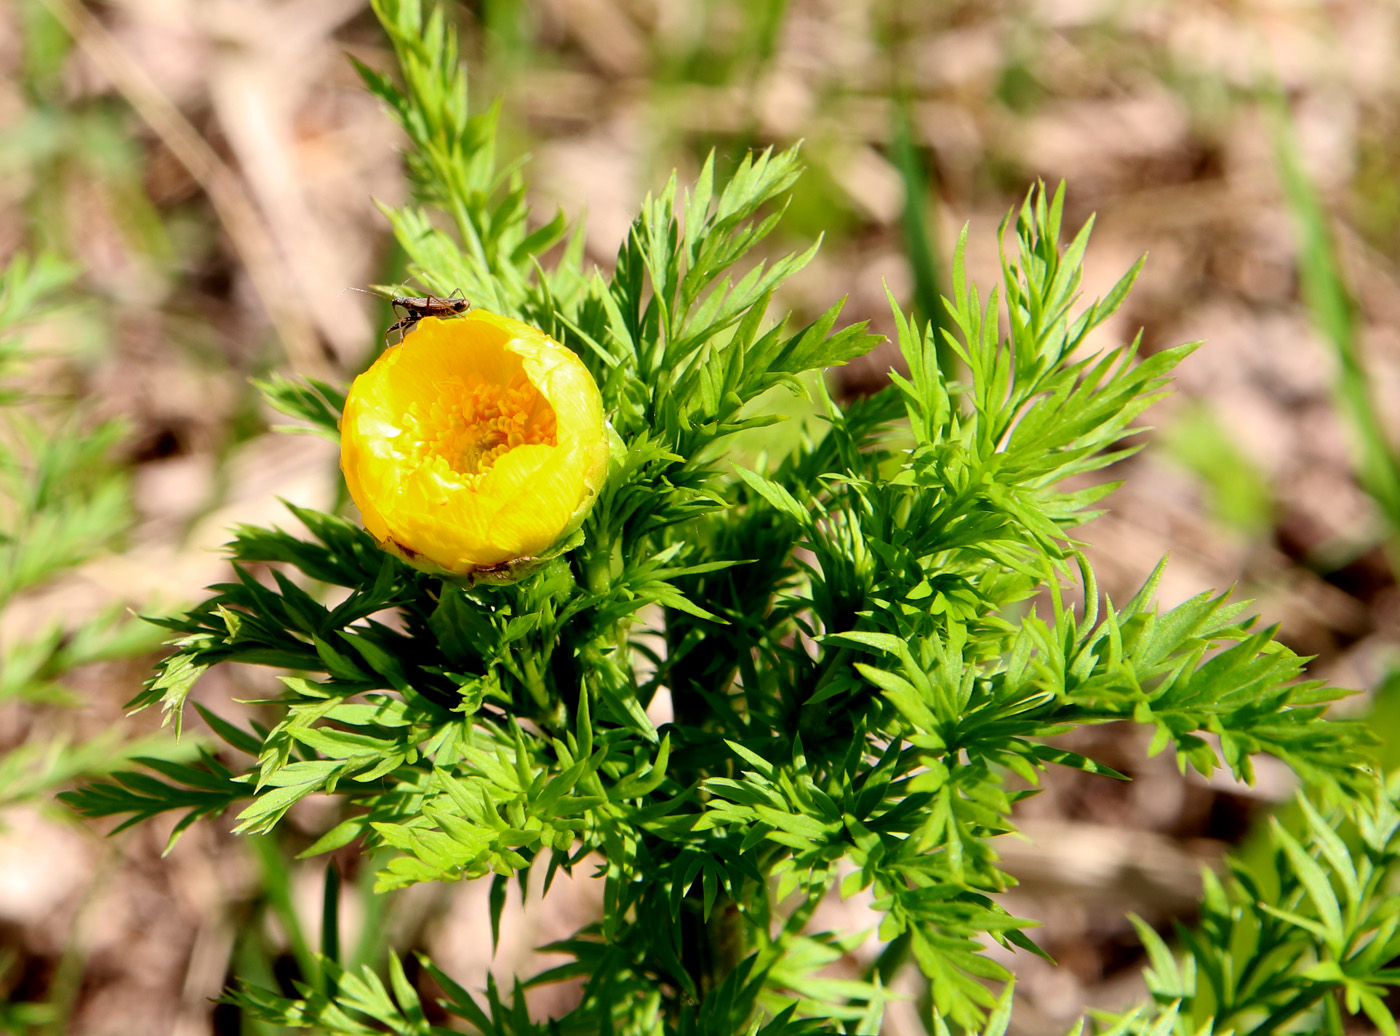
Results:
467 428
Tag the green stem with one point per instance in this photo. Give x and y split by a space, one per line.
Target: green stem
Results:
1304 999
277 888
466 229
330 923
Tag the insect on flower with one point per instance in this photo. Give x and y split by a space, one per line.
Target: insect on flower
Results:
416 307
475 449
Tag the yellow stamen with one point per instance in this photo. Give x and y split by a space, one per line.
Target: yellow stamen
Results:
466 429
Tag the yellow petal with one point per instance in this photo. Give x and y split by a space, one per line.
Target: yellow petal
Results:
537 492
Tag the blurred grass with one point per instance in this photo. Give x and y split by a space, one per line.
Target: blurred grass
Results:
1239 497
1333 311
920 246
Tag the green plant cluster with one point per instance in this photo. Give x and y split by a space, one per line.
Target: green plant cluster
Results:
828 669
63 500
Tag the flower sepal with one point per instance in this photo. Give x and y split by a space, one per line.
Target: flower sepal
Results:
520 568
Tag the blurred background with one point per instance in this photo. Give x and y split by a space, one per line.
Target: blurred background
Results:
196 183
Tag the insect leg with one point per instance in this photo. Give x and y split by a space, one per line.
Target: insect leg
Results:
404 324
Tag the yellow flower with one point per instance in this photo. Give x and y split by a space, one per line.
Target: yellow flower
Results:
474 446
